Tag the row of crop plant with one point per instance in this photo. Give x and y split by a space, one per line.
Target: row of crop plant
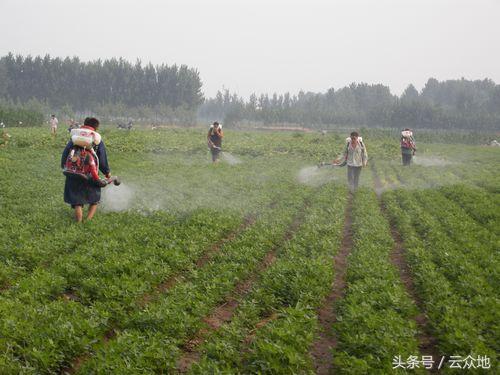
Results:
376 316
274 326
479 204
55 312
149 338
454 274
102 277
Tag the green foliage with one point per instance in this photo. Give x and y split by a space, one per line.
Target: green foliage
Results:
64 286
375 316
457 294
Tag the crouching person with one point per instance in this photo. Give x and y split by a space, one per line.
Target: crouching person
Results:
82 158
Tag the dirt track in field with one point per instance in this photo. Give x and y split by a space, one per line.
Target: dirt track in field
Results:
225 311
427 343
321 351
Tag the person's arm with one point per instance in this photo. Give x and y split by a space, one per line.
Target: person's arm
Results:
365 156
209 141
103 159
65 153
221 133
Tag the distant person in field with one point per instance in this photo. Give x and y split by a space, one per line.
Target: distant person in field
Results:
4 138
214 139
408 147
356 157
53 125
83 156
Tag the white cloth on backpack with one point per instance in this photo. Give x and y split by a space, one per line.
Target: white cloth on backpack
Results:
85 137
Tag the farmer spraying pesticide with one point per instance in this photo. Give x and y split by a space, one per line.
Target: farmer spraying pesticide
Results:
355 157
83 157
214 140
408 147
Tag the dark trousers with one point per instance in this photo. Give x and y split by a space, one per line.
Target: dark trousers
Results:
215 153
353 177
406 159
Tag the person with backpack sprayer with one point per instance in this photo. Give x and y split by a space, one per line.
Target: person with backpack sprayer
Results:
214 140
82 158
408 147
356 157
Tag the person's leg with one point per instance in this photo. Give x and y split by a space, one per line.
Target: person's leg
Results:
92 210
406 159
78 213
350 178
215 156
357 172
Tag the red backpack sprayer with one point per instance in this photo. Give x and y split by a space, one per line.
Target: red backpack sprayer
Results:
82 161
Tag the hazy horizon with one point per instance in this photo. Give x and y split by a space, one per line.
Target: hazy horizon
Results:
270 46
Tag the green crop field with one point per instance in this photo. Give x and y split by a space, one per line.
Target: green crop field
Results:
259 264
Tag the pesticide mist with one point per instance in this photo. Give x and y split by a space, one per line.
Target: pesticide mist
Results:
427 161
117 198
183 183
314 176
230 159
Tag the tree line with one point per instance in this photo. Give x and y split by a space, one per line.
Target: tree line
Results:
84 86
461 104
116 89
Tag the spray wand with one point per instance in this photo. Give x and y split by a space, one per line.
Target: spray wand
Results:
103 182
335 163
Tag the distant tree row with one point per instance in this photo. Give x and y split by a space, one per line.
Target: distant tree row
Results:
460 104
84 86
116 88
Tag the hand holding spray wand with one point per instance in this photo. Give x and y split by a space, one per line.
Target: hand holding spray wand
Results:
334 163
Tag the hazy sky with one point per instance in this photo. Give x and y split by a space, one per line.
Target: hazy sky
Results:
270 46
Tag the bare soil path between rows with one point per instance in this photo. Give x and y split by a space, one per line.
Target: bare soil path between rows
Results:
327 315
